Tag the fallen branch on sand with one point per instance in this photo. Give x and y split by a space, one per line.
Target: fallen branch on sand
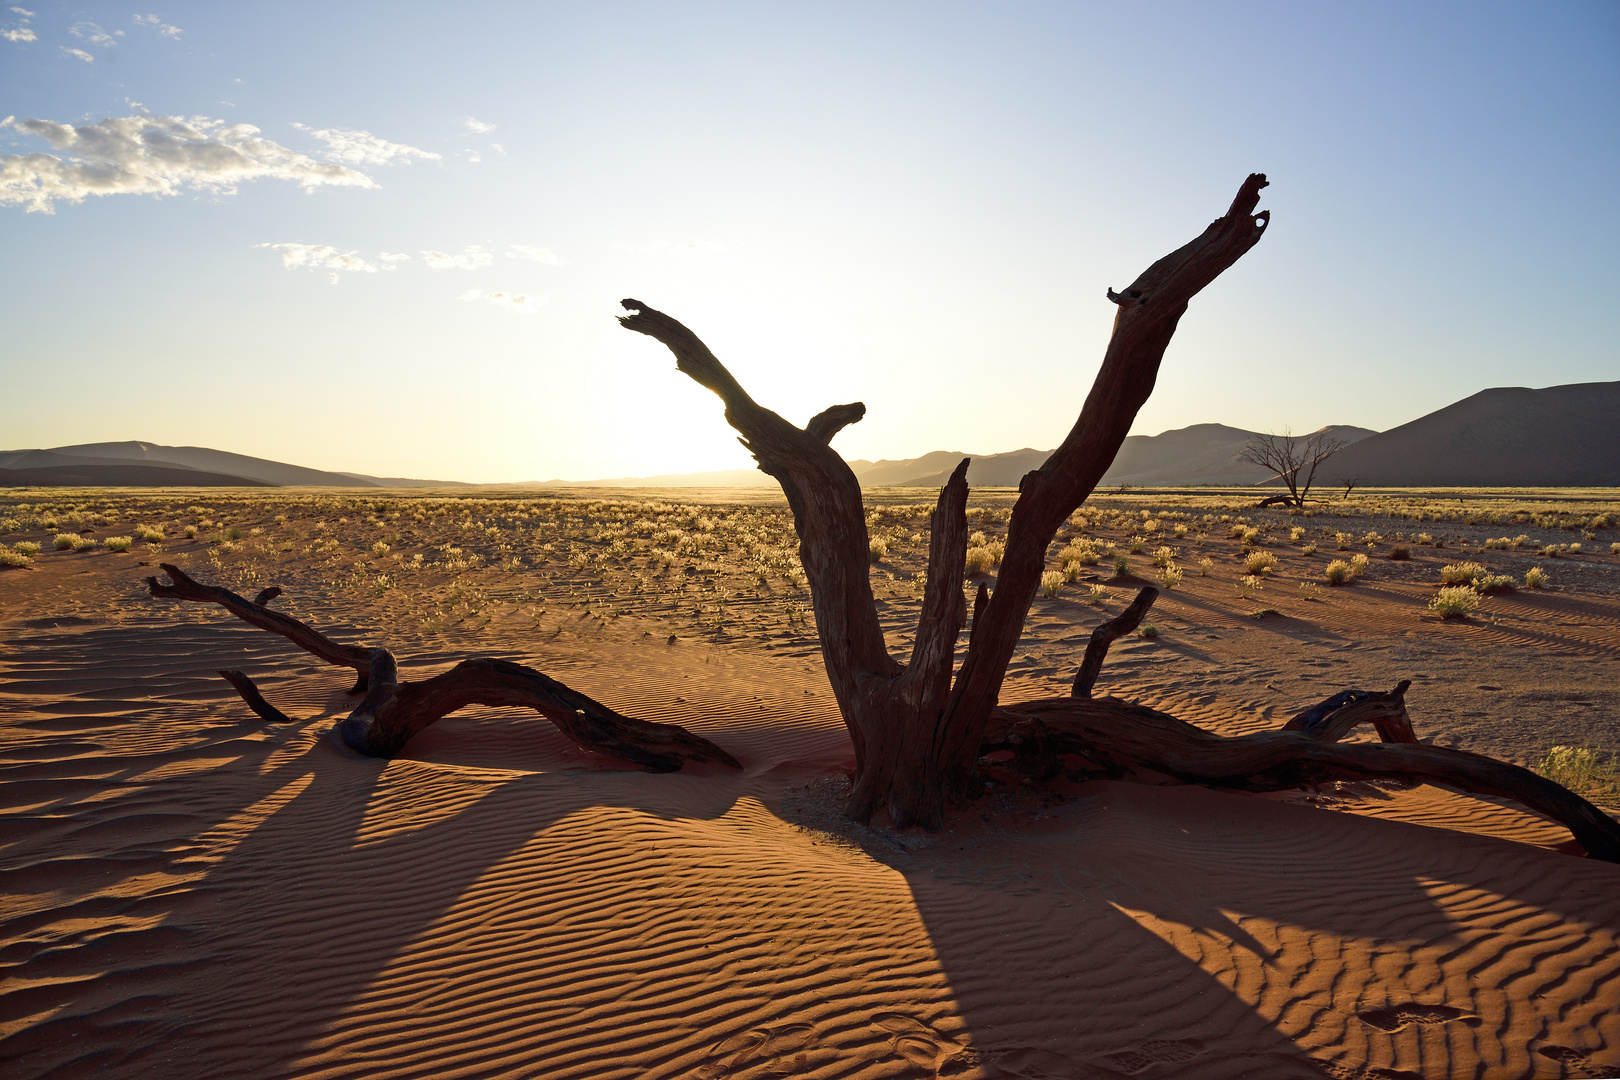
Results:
1079 736
393 711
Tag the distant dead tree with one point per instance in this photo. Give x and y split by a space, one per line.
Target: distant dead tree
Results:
1288 456
922 729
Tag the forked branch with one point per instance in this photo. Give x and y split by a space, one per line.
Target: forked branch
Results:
184 587
394 711
1112 738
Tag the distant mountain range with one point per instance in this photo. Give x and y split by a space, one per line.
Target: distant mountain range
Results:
1561 436
144 464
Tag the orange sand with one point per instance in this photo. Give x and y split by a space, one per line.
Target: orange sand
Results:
189 893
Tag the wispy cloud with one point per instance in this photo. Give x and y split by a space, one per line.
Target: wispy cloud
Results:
320 257
470 259
166 29
517 303
364 148
95 35
78 54
538 254
20 34
393 257
478 127
153 155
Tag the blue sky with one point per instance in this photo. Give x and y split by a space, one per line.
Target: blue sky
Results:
412 267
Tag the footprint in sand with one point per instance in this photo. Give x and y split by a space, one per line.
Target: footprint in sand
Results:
1575 1063
947 1057
1136 1058
775 1050
1395 1017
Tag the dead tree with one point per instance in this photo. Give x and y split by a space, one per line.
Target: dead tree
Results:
920 728
393 711
1288 455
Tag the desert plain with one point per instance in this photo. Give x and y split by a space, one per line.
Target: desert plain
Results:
191 892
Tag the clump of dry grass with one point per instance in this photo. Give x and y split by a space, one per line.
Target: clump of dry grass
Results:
1536 578
1454 601
1338 572
118 543
14 558
1122 564
1579 769
1051 582
1399 552
1260 563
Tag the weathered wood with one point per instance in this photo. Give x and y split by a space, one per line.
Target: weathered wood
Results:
1105 635
1148 314
185 587
382 727
267 595
392 711
1333 718
1106 737
942 744
255 700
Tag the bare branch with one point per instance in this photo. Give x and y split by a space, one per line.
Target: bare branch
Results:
1115 738
313 641
255 700
1105 635
1335 717
830 421
1148 313
379 728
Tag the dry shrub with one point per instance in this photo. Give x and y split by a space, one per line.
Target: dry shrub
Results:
1051 582
1338 572
1579 769
1454 601
1463 573
1260 562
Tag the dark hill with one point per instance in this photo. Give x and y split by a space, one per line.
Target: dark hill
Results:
1561 436
120 475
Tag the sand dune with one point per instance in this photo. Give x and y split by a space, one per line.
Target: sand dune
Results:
1562 435
191 893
